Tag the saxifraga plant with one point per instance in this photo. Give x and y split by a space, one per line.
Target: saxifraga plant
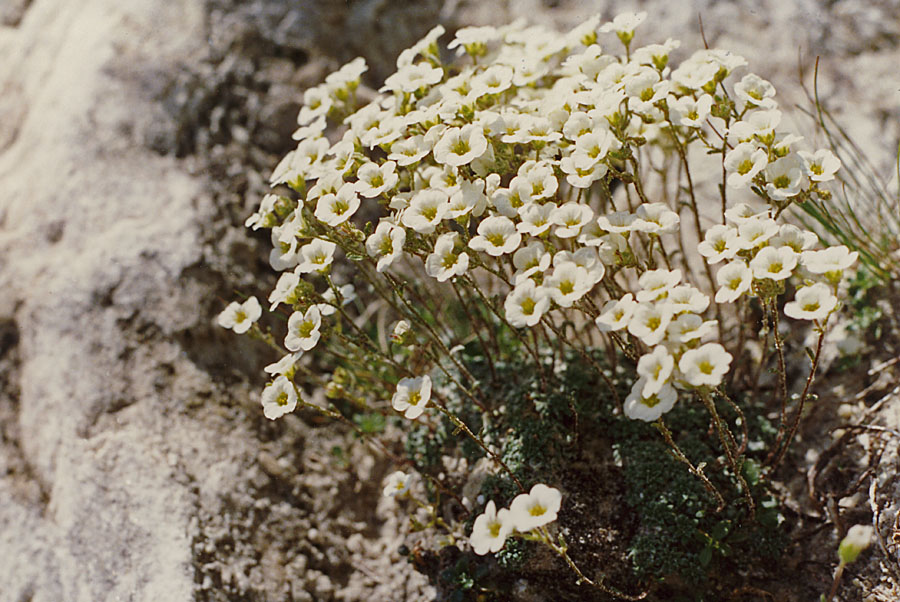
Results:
537 204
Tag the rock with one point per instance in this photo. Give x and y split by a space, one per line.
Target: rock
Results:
135 138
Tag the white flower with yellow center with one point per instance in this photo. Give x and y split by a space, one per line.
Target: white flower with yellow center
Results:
397 484
657 283
426 210
743 162
650 321
490 530
526 303
316 256
335 209
685 297
303 330
284 290
239 317
689 112
755 91
815 302
569 218
535 218
616 313
412 395
784 178
376 179
774 263
460 146
650 408
705 365
279 398
497 236
536 508
655 368
734 279
831 261
821 165
529 260
791 236
755 232
568 283
386 243
446 261
689 327
655 218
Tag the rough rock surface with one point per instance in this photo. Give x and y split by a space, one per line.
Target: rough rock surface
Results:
135 136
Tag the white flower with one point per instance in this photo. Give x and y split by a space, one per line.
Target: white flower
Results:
581 178
410 78
689 327
460 146
279 398
655 218
656 283
754 232
821 165
526 303
397 484
784 178
493 80
648 409
688 112
316 256
239 317
743 162
585 257
446 262
755 91
426 210
734 280
284 366
536 508
705 365
530 260
535 218
490 530
655 368
386 243
618 222
375 179
568 283
616 313
570 217
335 209
303 330
742 212
470 198
813 302
685 297
774 263
624 25
649 322
412 395
791 236
592 147
407 151
497 236
284 289
831 261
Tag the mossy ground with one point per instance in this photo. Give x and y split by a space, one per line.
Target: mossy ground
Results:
630 510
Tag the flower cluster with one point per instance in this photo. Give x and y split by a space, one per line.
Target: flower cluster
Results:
527 512
525 171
